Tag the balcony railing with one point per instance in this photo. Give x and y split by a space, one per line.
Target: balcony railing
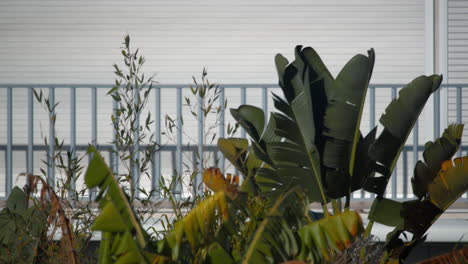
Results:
398 189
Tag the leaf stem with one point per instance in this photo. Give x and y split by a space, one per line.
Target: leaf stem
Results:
335 206
320 185
368 228
347 202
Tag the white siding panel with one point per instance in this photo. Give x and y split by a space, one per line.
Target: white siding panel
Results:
77 41
458 59
457 41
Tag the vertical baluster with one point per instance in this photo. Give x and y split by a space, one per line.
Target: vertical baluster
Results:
459 112
136 143
265 102
371 118
201 123
394 174
73 136
437 113
9 149
221 124
178 185
405 173
459 121
51 152
415 150
243 102
157 155
30 159
115 162
92 192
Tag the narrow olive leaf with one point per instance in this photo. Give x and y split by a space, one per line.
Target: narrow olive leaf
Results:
398 121
444 148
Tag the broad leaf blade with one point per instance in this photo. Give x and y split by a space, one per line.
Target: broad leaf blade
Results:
398 121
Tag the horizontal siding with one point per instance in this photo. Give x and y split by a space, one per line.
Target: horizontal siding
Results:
78 41
458 41
458 59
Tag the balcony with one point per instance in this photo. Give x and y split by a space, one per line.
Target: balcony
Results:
23 157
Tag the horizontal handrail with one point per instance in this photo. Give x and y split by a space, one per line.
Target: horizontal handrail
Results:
173 85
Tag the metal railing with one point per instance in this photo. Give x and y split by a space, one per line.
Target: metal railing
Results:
399 183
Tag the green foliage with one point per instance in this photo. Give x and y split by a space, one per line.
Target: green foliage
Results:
131 93
323 240
310 150
274 239
29 223
122 235
197 228
437 182
21 229
434 154
398 121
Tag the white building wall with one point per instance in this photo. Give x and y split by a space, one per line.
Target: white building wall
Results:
78 41
457 59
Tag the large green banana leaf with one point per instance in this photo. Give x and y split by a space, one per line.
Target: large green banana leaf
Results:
418 215
122 236
387 212
342 120
398 121
437 183
313 141
444 148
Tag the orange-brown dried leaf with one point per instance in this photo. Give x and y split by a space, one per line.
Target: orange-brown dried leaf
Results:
216 181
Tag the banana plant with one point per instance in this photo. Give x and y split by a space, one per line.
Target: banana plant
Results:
307 142
314 140
438 182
